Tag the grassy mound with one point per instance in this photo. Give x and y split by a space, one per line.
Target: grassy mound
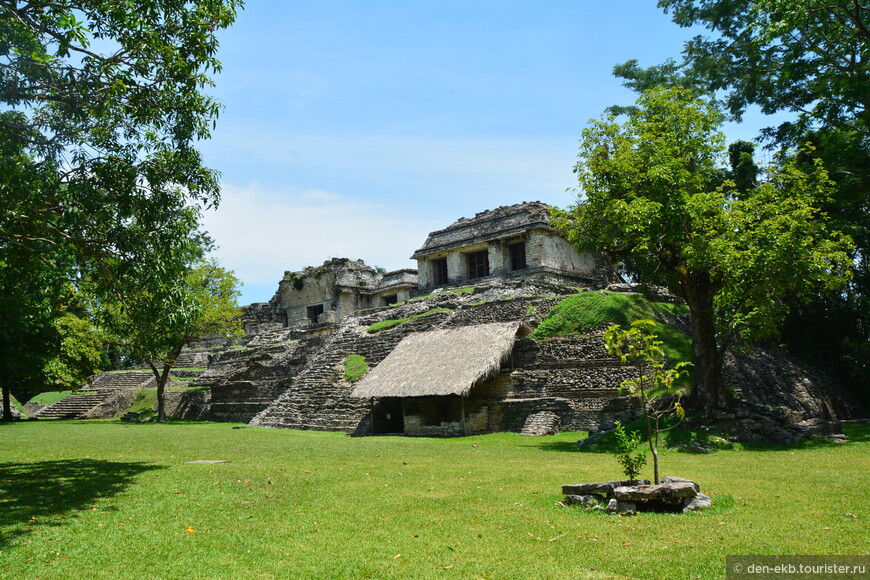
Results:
587 311
50 397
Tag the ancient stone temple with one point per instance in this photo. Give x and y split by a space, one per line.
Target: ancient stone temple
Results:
510 242
327 293
452 359
513 242
450 356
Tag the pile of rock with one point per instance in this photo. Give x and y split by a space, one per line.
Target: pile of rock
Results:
673 494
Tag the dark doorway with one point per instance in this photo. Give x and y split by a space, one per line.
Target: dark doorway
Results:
518 256
387 417
439 271
314 312
478 264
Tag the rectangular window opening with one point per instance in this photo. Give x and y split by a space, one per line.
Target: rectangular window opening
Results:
478 264
518 256
314 312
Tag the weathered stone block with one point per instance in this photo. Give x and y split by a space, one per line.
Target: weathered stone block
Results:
601 488
584 500
674 479
660 491
617 507
700 501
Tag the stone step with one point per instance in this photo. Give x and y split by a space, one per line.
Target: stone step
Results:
74 406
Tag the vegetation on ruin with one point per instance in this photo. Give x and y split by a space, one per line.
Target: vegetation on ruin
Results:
456 291
105 499
355 367
658 198
393 322
587 311
49 397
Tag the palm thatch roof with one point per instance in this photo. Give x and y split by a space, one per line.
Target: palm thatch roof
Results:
441 362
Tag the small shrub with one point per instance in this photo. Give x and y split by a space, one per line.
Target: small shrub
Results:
640 348
626 443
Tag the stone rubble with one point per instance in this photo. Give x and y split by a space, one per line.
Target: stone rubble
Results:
673 494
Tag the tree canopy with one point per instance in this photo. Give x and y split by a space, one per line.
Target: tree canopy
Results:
653 193
104 105
809 59
101 106
202 304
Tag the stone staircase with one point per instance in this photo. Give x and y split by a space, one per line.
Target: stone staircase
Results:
119 380
318 398
74 406
100 388
245 381
542 423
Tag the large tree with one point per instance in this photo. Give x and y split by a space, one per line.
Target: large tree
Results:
101 105
200 305
46 339
810 60
653 193
106 100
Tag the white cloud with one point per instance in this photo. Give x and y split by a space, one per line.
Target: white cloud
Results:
262 232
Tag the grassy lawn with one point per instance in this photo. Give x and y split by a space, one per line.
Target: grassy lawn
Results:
102 499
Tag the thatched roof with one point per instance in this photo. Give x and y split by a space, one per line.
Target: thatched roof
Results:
441 362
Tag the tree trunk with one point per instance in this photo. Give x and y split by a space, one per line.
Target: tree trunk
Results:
161 388
709 392
163 378
7 399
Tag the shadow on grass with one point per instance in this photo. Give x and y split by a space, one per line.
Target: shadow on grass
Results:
42 493
688 440
569 446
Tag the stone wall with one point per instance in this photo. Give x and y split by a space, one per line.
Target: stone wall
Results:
193 405
245 381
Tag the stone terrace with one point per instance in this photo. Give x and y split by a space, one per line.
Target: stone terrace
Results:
558 383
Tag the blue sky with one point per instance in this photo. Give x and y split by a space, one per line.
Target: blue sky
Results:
352 129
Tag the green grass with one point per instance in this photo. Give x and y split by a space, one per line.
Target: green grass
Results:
104 499
16 404
456 291
144 403
355 366
50 397
590 310
393 322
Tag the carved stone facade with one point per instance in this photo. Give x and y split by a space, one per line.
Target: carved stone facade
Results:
328 293
509 242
